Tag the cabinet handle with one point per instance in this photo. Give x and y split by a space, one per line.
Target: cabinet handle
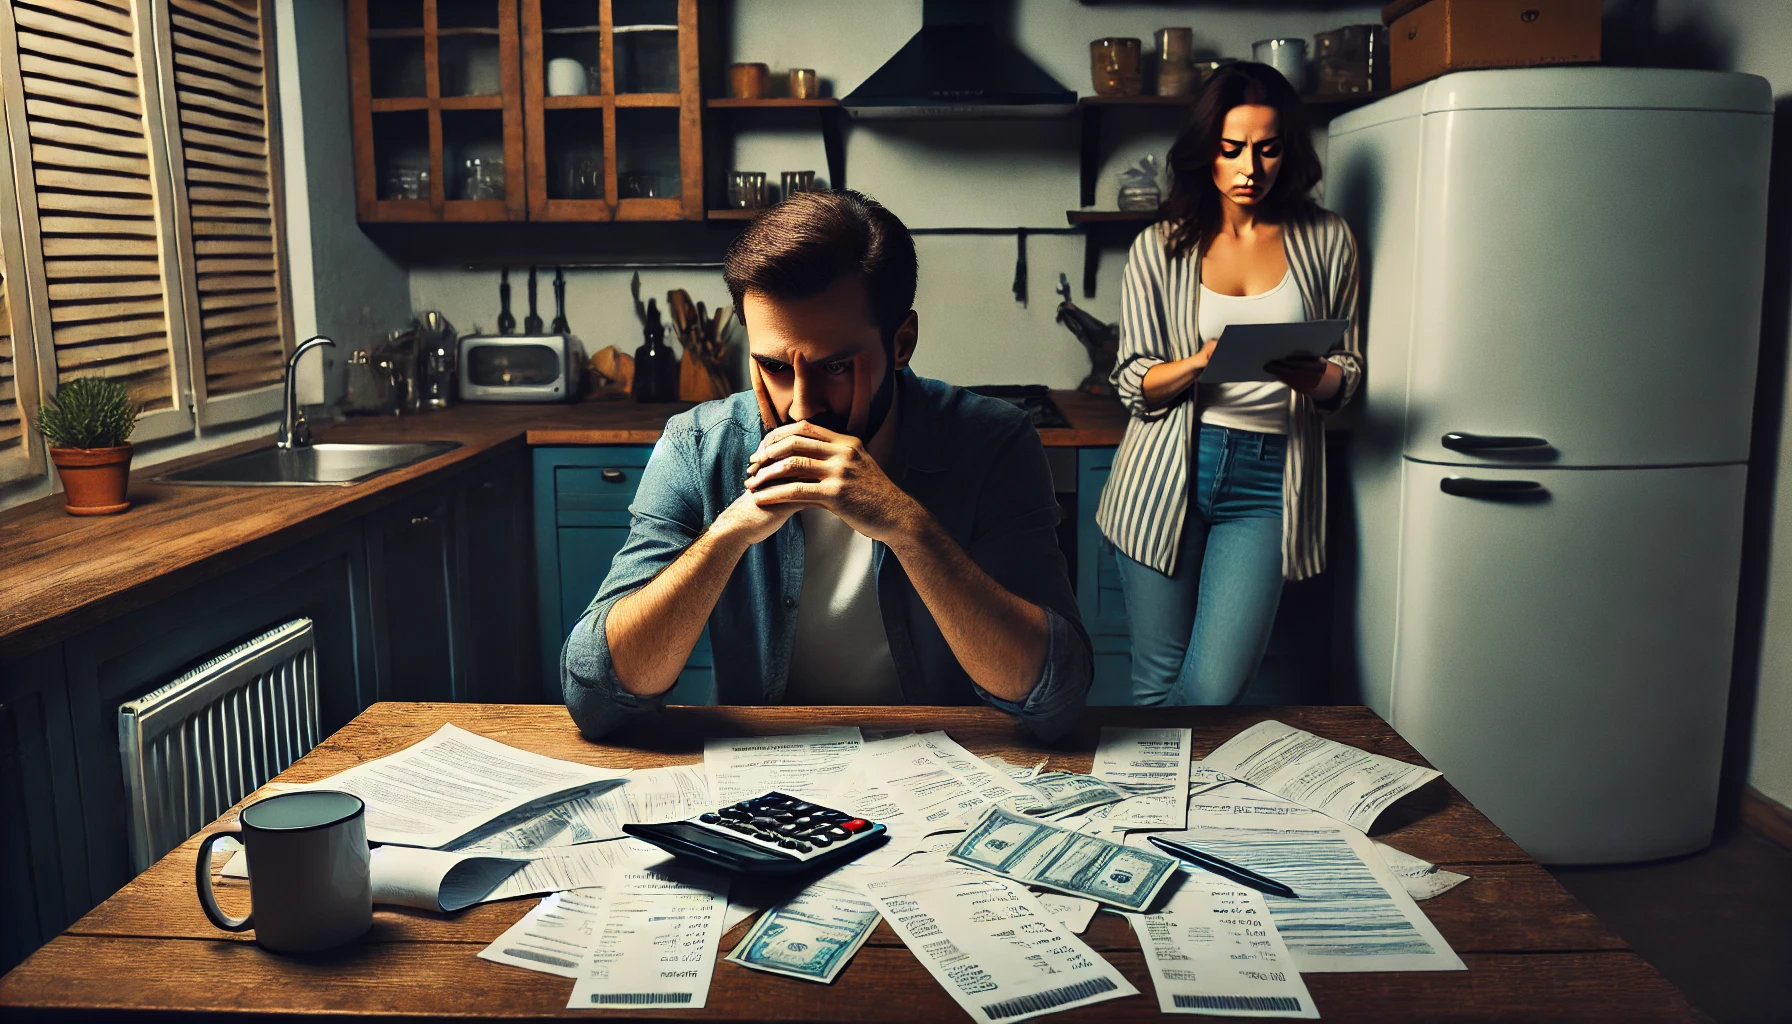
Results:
419 520
1490 442
614 476
1497 490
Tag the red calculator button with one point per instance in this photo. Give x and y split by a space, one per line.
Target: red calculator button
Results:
855 825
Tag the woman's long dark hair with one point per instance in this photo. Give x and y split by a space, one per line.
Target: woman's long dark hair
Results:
1191 214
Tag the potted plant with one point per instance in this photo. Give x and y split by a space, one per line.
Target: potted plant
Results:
86 424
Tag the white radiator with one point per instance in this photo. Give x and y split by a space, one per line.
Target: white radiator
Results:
195 747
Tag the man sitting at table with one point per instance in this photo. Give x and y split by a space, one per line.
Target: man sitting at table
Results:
850 532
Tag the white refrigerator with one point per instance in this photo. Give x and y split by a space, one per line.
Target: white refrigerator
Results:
1563 274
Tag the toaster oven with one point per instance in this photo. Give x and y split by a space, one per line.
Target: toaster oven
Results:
520 367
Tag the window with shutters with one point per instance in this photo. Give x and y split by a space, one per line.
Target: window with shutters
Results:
144 148
94 204
218 73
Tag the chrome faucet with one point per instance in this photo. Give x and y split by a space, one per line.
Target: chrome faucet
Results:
294 433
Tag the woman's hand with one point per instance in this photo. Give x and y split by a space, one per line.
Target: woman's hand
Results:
1165 381
1318 379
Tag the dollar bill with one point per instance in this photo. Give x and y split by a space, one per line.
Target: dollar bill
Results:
1038 853
811 936
1058 794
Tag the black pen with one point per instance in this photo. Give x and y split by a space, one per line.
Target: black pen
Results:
1242 875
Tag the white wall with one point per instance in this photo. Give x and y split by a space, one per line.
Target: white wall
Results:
1755 36
343 286
933 174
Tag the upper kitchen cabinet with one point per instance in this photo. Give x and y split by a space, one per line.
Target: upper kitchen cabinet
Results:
614 110
437 99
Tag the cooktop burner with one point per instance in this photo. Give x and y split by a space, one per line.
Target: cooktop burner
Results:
1034 399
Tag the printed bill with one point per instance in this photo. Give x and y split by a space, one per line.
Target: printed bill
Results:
1213 949
999 954
654 945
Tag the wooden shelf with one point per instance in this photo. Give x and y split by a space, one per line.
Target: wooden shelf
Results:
770 103
1110 216
731 214
466 31
572 30
1135 101
395 33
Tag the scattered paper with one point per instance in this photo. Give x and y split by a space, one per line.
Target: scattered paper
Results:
1214 950
811 936
1333 778
574 867
457 782
899 783
1352 914
999 954
1037 853
1154 763
435 879
553 937
992 783
811 765
655 941
1421 878
1073 912
646 795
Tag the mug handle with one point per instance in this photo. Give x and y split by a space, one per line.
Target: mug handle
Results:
208 900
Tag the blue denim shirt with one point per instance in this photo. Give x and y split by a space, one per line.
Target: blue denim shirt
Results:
974 463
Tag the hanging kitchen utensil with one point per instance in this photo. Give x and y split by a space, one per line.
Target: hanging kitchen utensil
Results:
560 326
506 322
532 322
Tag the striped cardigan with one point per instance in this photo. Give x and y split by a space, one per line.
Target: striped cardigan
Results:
1147 494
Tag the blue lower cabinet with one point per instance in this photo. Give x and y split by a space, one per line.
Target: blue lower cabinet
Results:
581 522
1098 591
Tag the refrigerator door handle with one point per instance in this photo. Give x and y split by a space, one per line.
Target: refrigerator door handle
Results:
1458 442
1496 490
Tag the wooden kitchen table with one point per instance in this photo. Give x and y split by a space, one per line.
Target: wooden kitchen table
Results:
1533 953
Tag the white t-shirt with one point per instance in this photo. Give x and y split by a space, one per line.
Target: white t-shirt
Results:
1261 406
841 655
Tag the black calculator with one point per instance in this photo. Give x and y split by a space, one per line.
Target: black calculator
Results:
771 834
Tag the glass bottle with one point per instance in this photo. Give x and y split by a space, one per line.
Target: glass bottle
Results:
656 368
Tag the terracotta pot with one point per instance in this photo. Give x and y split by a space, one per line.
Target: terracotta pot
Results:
94 479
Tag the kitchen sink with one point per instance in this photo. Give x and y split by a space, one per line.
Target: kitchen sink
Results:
318 465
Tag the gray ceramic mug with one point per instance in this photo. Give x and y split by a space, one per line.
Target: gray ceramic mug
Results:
309 887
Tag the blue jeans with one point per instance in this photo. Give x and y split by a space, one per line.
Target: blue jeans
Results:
1198 635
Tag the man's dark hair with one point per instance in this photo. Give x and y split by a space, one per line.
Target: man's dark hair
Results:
1192 211
801 246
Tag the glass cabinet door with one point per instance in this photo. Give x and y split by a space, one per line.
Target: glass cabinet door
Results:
438 109
611 97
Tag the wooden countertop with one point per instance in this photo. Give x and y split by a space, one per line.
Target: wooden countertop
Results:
60 574
1532 951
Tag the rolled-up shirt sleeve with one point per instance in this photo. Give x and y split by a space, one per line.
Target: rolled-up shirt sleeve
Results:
665 517
1144 333
1016 542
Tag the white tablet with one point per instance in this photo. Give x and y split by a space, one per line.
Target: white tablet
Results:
1244 348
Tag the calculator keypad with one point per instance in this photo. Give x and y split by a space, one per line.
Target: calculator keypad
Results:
794 827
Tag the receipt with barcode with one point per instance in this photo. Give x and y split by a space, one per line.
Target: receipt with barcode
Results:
655 942
1212 948
999 954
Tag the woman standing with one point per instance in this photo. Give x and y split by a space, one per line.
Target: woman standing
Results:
1218 490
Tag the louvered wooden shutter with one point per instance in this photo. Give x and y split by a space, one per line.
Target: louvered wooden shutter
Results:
21 453
95 210
12 418
226 153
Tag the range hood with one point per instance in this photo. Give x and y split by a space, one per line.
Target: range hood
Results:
959 66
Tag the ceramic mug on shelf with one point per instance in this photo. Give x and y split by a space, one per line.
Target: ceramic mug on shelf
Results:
567 77
1289 56
309 886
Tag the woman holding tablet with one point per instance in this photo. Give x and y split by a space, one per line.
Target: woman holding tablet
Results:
1218 490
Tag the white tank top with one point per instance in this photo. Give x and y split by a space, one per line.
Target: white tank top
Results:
1261 406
